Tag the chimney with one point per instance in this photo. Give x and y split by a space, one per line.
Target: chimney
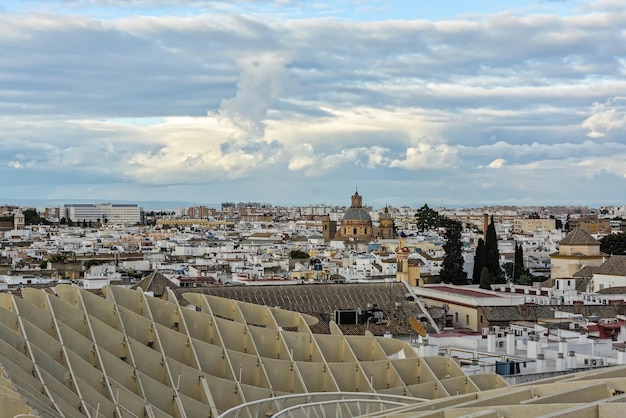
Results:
485 226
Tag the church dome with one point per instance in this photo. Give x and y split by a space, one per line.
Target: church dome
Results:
385 214
357 214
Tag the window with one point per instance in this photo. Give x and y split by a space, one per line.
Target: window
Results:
354 231
456 317
481 319
466 319
365 231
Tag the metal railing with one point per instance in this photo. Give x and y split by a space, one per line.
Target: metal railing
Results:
320 404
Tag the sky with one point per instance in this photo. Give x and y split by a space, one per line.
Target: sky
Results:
453 103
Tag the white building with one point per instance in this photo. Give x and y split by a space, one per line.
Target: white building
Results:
127 214
611 273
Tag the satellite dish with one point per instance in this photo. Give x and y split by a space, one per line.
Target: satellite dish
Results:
417 326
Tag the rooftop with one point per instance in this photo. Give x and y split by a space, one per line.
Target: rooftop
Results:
475 293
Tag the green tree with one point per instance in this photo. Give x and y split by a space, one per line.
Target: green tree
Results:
452 267
480 261
93 262
515 271
427 218
614 244
518 263
485 279
298 254
493 254
31 217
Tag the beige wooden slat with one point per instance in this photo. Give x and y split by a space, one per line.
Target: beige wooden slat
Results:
394 348
175 345
413 370
226 393
283 375
257 315
35 315
317 377
443 367
334 348
14 338
383 376
459 385
213 360
235 336
138 327
302 347
202 327
22 373
365 348
158 394
131 300
129 358
247 369
187 380
350 377
270 343
430 390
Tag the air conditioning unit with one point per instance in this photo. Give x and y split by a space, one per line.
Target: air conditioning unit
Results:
600 362
586 362
594 362
500 343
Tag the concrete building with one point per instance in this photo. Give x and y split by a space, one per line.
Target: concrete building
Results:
577 250
525 225
591 224
105 213
611 273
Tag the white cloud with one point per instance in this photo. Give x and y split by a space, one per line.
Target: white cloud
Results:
263 79
427 156
497 163
194 98
303 157
607 116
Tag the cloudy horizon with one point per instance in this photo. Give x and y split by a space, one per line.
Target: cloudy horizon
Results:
294 102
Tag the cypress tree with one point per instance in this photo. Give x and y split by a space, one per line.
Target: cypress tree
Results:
519 263
480 261
493 254
452 267
485 279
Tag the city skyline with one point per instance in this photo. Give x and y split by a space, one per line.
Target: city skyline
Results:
296 103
